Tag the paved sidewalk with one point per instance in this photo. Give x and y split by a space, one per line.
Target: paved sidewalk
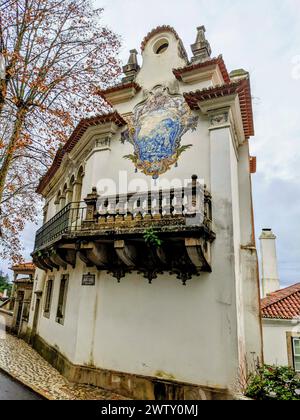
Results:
25 365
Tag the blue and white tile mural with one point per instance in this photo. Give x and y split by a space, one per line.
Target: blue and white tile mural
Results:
155 130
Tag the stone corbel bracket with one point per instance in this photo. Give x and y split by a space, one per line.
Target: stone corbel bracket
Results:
199 252
94 254
126 253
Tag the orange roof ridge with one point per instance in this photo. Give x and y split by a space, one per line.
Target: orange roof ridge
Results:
73 140
158 30
280 295
283 304
26 266
194 66
240 87
119 86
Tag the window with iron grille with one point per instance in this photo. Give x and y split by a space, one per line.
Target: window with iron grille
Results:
61 307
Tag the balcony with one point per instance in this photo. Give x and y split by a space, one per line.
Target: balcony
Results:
149 232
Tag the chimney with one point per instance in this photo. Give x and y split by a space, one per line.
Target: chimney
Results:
132 67
270 276
201 49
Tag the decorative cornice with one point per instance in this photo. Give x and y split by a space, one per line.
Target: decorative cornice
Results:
120 86
30 267
178 73
120 92
156 31
73 140
240 88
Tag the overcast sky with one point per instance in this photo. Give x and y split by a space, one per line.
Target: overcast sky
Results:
263 37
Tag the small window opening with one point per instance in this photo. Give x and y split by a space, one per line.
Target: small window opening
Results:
161 46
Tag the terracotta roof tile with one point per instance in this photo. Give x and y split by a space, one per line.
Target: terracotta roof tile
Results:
283 304
121 86
155 31
73 140
160 29
26 266
241 87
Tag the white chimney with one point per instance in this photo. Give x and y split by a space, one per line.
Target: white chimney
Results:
270 275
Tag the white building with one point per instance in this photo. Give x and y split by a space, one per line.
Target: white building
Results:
95 316
280 310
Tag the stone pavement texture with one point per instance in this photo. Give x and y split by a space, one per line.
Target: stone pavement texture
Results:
25 365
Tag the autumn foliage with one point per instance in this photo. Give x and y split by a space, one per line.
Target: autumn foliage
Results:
56 55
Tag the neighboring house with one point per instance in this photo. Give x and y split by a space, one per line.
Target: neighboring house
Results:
281 324
280 311
174 313
21 297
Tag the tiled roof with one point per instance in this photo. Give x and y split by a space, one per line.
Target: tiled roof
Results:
214 61
283 304
26 266
121 86
241 87
24 280
73 140
161 29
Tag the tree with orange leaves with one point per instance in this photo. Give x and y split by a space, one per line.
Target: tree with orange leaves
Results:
54 55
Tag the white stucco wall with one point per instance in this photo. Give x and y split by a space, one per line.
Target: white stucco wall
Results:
200 333
275 340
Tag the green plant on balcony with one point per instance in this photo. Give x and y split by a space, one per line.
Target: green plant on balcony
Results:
52 252
272 383
152 239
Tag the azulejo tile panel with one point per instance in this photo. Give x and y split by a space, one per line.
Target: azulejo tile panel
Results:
156 129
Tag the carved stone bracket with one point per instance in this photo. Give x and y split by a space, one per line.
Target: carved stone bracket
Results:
70 257
126 253
83 257
199 253
56 259
98 255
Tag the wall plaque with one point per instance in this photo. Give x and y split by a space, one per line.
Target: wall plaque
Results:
88 280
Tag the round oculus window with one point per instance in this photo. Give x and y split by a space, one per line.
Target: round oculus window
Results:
161 46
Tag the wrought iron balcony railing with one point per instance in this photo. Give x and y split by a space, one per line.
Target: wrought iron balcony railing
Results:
67 220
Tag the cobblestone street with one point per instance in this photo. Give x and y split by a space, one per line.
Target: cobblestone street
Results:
24 364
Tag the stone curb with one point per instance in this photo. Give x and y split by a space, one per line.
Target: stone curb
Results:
26 385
